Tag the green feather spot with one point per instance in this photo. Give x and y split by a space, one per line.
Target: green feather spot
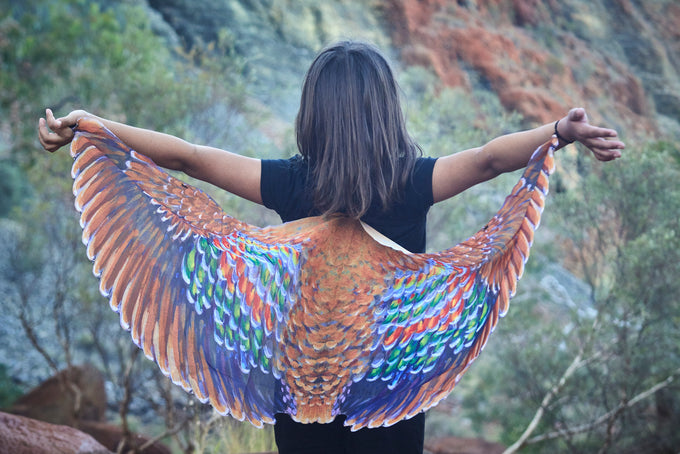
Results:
410 348
259 337
219 293
220 311
394 355
229 336
189 264
419 310
245 342
403 364
425 341
391 367
403 316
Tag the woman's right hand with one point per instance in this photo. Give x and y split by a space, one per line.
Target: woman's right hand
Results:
54 133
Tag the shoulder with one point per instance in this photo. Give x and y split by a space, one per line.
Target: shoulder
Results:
283 171
424 166
292 164
283 186
419 187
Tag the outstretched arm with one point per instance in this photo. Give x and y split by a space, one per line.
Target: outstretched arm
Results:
457 172
237 174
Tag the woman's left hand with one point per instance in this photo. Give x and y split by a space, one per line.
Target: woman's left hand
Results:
603 142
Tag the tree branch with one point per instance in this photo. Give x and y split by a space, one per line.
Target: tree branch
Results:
167 433
33 337
607 416
125 403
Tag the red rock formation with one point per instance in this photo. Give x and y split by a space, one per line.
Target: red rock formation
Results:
19 435
487 42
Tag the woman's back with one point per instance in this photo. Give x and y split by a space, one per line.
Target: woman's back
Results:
284 188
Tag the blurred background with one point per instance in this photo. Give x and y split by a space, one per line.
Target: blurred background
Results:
588 357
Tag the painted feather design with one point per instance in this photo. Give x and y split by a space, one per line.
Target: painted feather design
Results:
312 318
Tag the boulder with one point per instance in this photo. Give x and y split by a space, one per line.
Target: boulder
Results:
76 397
20 435
110 436
73 394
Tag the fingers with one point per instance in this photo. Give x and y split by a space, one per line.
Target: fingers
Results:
52 133
44 136
47 139
53 123
606 155
602 142
596 137
596 131
605 149
41 133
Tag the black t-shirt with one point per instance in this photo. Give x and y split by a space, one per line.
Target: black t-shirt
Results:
284 189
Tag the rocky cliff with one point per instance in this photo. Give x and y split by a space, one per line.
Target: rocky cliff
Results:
619 58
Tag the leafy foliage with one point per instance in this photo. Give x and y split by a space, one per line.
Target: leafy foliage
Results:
444 121
631 211
618 231
9 391
105 57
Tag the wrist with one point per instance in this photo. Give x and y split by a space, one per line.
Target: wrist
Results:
72 119
564 140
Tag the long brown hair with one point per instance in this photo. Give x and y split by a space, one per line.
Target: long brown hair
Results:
351 130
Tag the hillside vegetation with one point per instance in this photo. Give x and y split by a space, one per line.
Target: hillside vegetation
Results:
588 357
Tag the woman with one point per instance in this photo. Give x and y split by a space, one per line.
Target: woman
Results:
356 158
